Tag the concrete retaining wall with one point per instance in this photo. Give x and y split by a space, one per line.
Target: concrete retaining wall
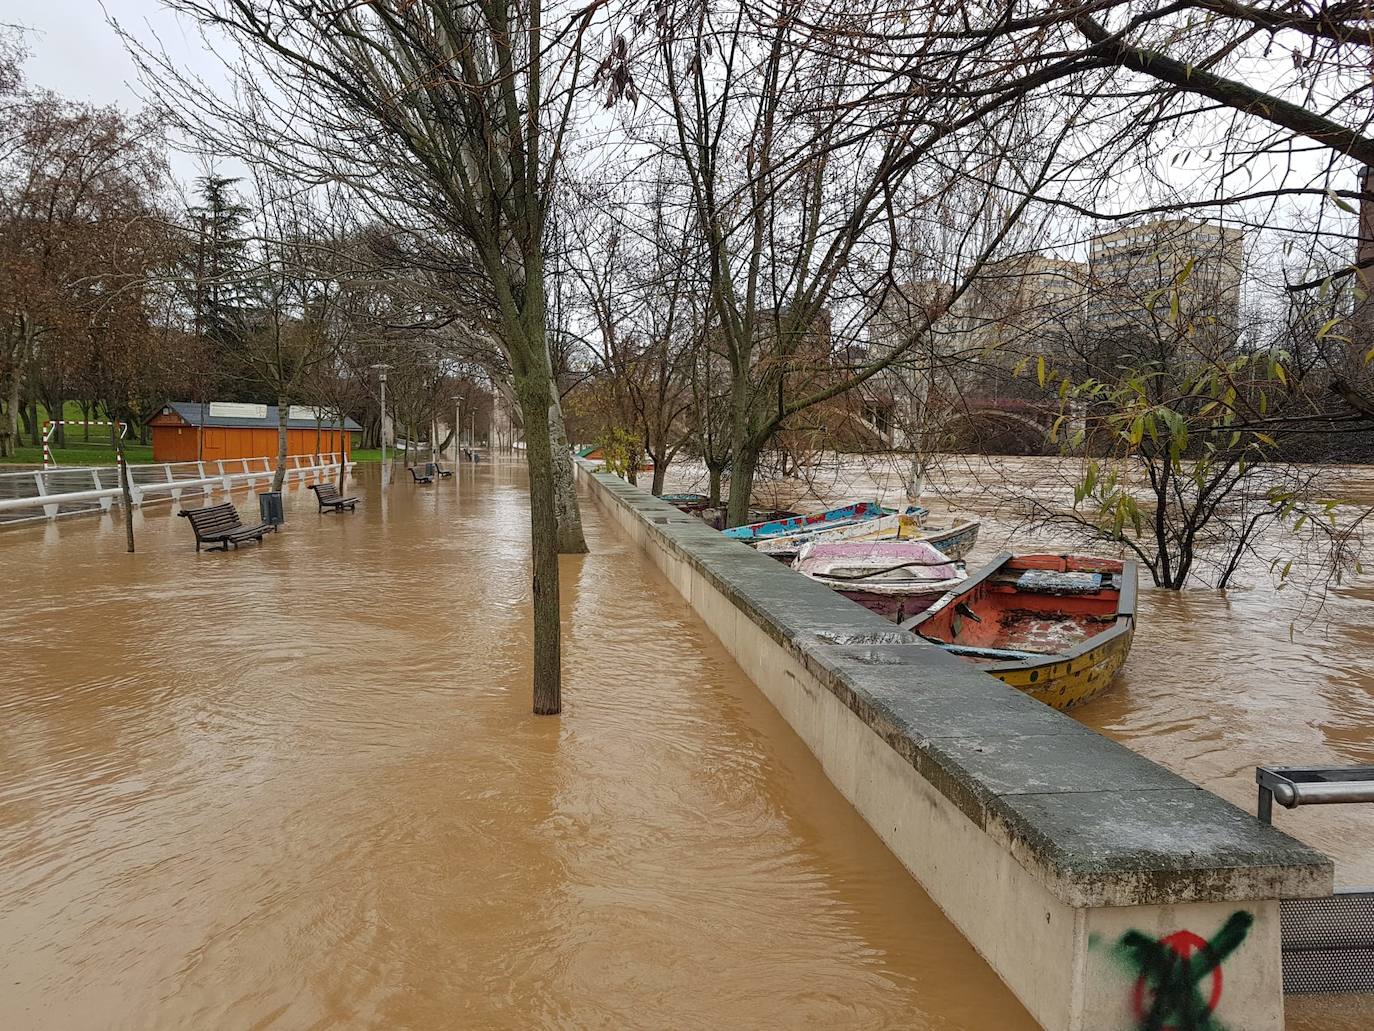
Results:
1101 887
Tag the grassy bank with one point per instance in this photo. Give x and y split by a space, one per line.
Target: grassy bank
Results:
81 453
96 451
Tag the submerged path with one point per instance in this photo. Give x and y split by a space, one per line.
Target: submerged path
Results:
299 786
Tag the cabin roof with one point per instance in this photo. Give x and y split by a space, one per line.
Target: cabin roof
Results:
236 416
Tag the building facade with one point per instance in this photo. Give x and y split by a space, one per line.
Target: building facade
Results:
1176 270
187 431
1032 301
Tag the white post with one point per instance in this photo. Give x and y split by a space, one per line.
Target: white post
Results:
107 501
135 492
49 510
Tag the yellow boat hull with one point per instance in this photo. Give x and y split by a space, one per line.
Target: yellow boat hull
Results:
1064 683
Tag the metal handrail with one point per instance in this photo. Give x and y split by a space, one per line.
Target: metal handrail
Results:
202 479
1292 786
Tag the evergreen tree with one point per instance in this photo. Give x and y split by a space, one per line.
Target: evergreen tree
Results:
218 277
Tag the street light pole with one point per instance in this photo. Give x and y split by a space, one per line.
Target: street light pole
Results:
381 368
458 432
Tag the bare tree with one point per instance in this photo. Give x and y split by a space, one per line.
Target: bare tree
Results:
451 115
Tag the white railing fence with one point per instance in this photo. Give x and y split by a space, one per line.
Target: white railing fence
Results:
69 490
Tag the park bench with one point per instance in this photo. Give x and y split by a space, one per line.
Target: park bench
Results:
327 494
220 525
421 477
439 470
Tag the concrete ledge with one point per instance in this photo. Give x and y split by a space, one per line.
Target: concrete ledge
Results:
1010 814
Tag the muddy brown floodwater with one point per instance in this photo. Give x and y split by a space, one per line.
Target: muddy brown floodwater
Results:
299 786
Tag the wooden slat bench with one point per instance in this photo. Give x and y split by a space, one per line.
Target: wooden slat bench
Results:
220 525
439 470
327 494
421 477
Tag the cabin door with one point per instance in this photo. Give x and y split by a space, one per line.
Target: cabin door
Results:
214 445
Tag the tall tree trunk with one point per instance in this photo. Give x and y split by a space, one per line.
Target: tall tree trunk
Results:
9 432
713 491
744 462
59 431
343 449
1362 317
536 402
283 414
570 538
4 426
660 474
744 454
21 348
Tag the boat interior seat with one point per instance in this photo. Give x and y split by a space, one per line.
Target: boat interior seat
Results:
1049 581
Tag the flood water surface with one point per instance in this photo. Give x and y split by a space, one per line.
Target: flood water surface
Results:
299 786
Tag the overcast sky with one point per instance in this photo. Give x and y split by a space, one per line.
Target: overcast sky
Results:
73 51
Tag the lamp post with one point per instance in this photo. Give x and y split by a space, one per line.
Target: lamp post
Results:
458 431
381 368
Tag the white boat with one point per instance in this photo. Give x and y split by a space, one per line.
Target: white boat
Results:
955 539
896 579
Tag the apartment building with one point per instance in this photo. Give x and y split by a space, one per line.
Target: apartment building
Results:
1029 299
1135 272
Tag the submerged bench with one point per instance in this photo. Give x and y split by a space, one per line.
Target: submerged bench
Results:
219 526
421 477
329 498
439 470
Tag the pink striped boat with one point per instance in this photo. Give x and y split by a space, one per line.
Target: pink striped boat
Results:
896 579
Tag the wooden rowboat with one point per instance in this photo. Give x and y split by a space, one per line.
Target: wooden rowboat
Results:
845 515
715 517
1057 627
955 538
787 546
692 504
896 579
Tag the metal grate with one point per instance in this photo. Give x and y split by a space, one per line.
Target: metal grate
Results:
1328 944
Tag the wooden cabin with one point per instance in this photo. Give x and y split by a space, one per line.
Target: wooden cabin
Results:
187 431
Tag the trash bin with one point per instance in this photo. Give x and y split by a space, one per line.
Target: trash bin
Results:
270 508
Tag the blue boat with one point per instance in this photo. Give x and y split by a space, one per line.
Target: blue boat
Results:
845 515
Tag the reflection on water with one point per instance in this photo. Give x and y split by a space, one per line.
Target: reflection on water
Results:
298 786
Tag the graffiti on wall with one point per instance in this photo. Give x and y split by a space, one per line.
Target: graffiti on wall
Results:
1178 978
